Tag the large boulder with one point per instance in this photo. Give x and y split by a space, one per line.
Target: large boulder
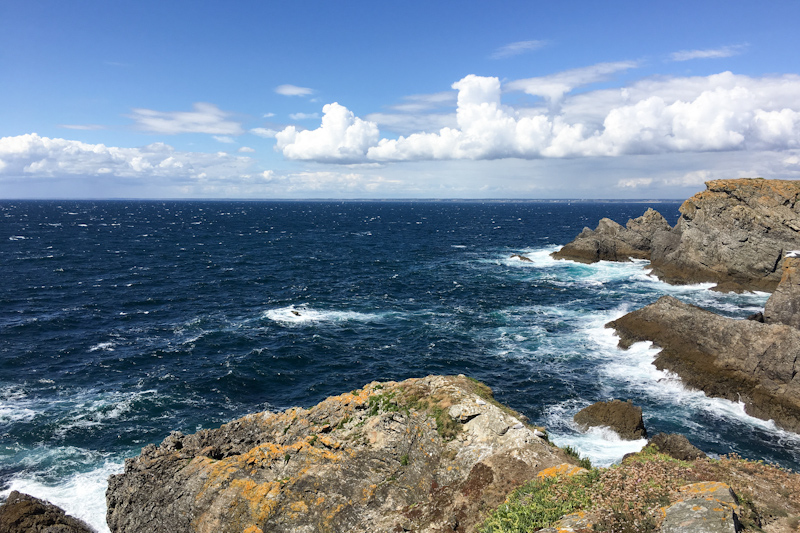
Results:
613 242
430 454
706 507
741 360
25 514
734 233
783 306
676 446
623 417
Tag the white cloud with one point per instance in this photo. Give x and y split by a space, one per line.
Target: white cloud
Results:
41 157
555 86
342 137
206 118
268 115
303 116
634 183
264 132
245 149
407 124
723 112
293 90
224 139
519 47
714 53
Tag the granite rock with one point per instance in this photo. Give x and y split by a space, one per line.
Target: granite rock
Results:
734 233
741 360
22 513
783 306
623 417
612 242
429 454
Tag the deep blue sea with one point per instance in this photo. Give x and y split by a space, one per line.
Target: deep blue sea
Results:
121 321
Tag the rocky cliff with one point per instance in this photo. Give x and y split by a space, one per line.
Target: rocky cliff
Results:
745 360
734 234
613 242
431 454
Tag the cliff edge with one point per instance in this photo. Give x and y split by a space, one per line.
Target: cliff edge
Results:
429 454
741 360
734 234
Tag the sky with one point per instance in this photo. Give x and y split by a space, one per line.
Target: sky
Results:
355 99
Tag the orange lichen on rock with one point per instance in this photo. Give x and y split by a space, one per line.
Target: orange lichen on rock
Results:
564 469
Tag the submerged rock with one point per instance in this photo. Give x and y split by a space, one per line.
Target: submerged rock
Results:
430 454
623 417
741 360
25 514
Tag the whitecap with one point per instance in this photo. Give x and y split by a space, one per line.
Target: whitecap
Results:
17 238
292 315
105 346
601 445
81 495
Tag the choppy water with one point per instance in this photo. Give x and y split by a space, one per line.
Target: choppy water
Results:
122 321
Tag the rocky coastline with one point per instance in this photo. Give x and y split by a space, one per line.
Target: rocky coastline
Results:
734 234
439 453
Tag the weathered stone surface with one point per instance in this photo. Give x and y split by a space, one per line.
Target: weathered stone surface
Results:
735 232
623 417
745 360
522 258
430 454
25 514
708 507
612 242
783 306
676 446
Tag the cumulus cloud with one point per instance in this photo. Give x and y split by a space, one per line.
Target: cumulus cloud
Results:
293 90
406 124
205 118
722 112
714 53
555 86
34 156
224 139
519 47
342 137
245 149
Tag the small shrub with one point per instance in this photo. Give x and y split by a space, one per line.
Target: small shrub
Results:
404 460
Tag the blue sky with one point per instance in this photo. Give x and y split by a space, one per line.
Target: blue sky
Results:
395 100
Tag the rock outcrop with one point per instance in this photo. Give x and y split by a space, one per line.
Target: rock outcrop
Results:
430 454
724 357
613 242
676 446
783 306
22 513
734 234
707 507
623 417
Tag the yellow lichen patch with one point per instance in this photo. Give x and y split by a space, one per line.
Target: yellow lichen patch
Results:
564 469
262 498
704 488
329 442
253 529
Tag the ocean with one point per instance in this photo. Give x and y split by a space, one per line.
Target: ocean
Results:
121 321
